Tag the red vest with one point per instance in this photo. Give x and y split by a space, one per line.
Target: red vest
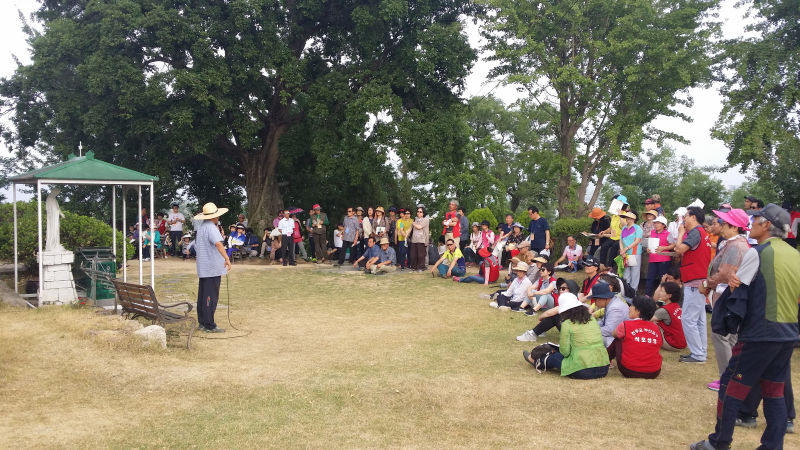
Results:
694 265
456 228
588 283
494 268
641 342
673 333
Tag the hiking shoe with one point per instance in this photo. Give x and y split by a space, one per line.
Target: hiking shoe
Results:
714 386
790 426
746 422
493 305
691 359
456 279
201 328
705 445
528 336
503 285
215 330
530 312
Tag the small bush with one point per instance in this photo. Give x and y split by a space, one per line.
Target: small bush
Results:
481 214
76 231
569 226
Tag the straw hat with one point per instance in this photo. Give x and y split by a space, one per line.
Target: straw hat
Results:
384 240
521 267
380 210
210 211
628 214
540 259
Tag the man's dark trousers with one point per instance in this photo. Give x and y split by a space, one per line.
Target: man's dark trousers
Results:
207 298
176 237
762 363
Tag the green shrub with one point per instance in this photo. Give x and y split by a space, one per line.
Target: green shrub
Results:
569 226
481 214
76 231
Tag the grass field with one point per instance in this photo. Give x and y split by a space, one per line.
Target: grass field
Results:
333 360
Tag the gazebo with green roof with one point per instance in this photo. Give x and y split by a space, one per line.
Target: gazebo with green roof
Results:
87 170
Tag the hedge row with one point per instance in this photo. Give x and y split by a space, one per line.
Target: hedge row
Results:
76 231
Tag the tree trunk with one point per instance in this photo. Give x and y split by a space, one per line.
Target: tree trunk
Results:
263 195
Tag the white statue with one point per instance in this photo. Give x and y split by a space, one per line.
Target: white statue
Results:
54 216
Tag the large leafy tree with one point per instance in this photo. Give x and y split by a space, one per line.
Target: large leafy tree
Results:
760 118
607 68
215 95
513 153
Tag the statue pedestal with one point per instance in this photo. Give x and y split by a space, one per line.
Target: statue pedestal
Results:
58 286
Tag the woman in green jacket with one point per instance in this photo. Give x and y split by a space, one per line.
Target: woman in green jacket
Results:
581 353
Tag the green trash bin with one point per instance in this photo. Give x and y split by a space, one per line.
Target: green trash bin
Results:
93 267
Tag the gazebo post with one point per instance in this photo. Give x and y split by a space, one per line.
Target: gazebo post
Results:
39 224
141 232
125 244
16 257
152 241
114 219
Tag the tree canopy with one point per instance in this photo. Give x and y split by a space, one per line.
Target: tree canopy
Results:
760 119
607 68
271 95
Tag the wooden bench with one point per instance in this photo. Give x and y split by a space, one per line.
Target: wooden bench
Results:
140 301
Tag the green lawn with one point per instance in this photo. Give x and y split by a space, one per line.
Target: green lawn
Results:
333 360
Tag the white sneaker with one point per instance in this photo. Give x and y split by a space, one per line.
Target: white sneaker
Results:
528 336
493 304
504 308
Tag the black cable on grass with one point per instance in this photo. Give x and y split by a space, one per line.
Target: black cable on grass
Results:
246 332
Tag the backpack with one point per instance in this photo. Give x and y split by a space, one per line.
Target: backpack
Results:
540 354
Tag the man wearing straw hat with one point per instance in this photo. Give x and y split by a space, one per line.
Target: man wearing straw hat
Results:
212 263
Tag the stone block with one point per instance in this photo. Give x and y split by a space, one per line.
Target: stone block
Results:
49 275
67 295
64 275
48 260
153 335
58 285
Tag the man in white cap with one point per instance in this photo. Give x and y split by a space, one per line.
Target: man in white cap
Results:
212 263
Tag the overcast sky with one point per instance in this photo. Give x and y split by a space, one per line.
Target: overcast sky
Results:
707 102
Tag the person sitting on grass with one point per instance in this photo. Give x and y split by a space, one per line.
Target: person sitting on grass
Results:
572 255
581 354
369 257
591 267
187 246
387 258
488 271
471 251
668 317
534 264
451 263
543 294
637 341
550 318
517 292
611 310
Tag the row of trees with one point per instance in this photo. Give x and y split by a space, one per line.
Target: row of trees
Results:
278 102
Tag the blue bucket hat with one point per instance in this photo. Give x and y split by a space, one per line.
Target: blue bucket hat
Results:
601 290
